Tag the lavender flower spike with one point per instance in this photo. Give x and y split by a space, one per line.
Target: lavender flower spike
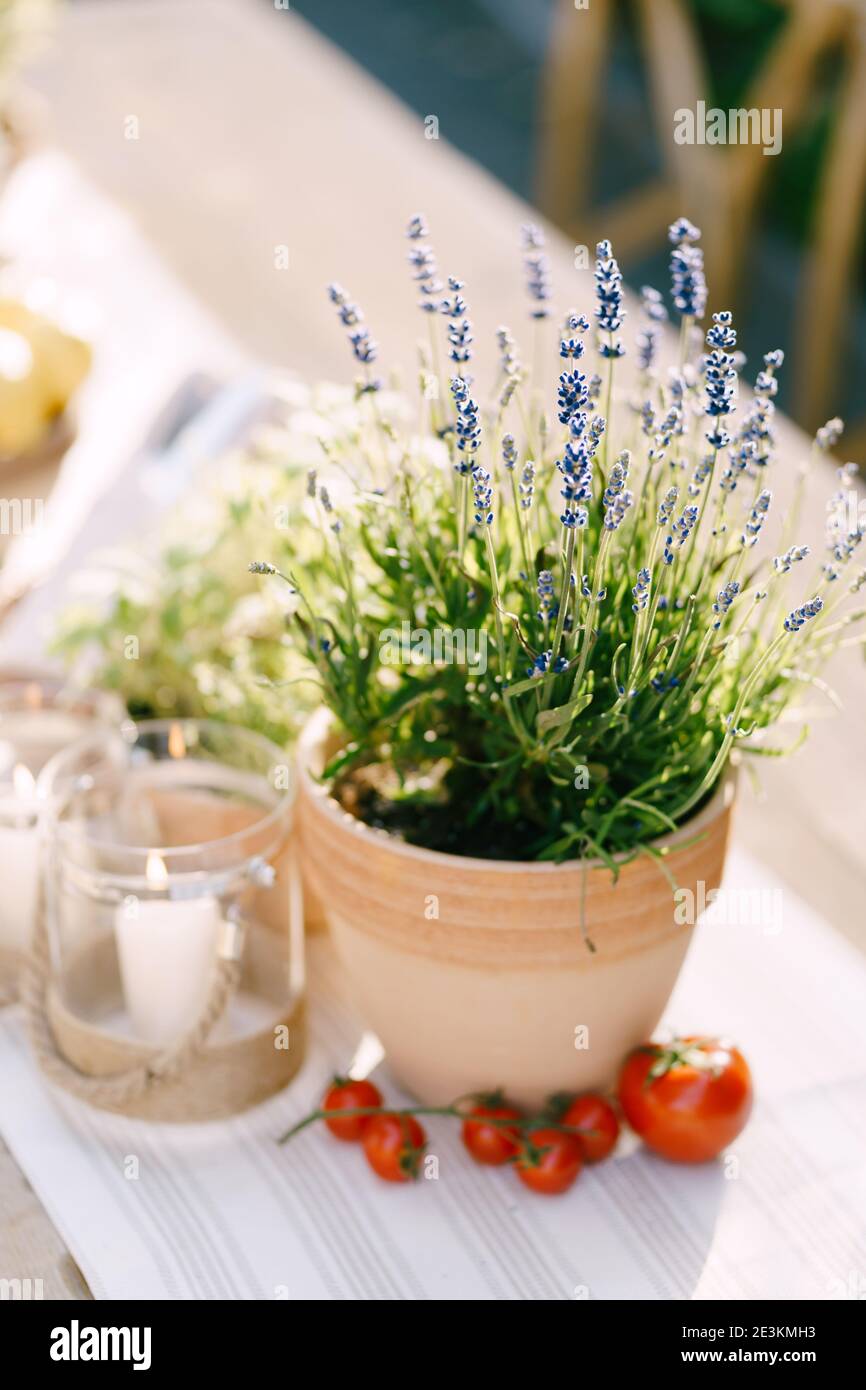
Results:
681 530
668 503
364 349
527 485
423 263
537 269
724 599
459 329
756 519
616 499
783 563
546 595
508 354
689 287
349 313
609 311
720 377
417 227
482 492
468 428
640 591
799 616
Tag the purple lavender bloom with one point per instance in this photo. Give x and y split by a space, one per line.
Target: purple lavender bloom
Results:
810 609
689 286
546 595
700 475
537 269
509 359
641 590
423 263
738 464
617 499
417 227
571 395
576 469
757 517
647 342
482 492
572 347
757 428
364 348
468 429
666 508
722 334
652 304
349 313
680 532
541 664
720 381
783 563
460 339
724 599
609 311
526 486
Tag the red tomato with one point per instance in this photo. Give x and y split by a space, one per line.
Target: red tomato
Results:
489 1143
687 1100
549 1160
394 1147
597 1120
344 1094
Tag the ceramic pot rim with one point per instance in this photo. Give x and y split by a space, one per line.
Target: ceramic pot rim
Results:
312 737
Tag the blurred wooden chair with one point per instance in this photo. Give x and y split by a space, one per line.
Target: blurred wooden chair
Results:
718 186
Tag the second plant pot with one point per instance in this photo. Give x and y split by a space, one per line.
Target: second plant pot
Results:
474 973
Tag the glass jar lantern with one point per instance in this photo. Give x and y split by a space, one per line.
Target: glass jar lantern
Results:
167 850
39 716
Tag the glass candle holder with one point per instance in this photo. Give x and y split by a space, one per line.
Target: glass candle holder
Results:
162 842
38 717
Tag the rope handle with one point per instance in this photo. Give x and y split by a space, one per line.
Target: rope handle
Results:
119 1088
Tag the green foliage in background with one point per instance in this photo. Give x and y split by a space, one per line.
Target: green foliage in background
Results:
178 626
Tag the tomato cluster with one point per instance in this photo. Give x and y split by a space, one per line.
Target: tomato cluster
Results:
687 1100
547 1152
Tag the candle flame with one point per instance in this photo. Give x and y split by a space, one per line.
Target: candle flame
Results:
33 695
23 781
155 871
176 742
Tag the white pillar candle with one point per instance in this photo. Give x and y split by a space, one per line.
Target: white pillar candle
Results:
167 951
19 860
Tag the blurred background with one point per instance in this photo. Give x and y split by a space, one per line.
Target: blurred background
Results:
575 114
569 103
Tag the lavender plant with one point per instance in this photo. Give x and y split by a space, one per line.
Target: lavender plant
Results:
630 627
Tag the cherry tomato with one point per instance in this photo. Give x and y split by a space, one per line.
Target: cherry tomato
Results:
687 1100
491 1143
549 1160
394 1147
597 1120
344 1094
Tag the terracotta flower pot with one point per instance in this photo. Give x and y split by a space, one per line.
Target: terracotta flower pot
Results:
474 973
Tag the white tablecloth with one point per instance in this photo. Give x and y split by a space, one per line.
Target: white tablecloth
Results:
220 1211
